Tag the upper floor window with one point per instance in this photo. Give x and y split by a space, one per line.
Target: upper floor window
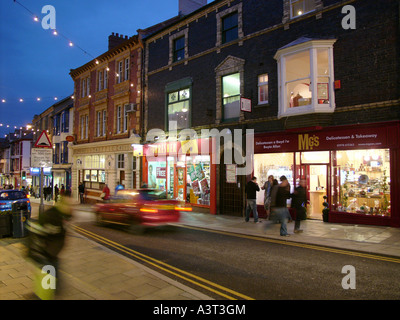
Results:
122 70
85 87
178 46
179 49
231 96
263 89
56 125
300 7
65 121
230 27
305 69
178 109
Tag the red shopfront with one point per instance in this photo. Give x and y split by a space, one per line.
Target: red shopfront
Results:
356 167
184 170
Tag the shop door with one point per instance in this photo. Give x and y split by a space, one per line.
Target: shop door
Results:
180 185
232 196
316 177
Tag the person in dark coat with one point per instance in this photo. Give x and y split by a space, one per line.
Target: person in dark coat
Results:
251 204
299 201
279 209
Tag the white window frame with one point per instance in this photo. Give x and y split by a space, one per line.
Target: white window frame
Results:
105 76
83 85
100 80
314 107
119 115
260 85
120 72
86 126
125 124
104 122
98 122
126 76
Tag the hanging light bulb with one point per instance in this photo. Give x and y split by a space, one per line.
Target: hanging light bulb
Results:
35 18
71 44
3 100
21 100
55 32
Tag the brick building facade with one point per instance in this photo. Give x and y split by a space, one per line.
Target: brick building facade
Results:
305 74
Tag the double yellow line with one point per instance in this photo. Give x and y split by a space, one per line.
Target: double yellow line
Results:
301 245
198 281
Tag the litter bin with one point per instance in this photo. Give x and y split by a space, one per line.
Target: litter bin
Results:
5 224
20 216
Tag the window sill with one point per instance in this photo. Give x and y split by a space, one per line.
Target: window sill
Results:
309 109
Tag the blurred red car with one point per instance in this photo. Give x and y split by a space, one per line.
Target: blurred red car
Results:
139 208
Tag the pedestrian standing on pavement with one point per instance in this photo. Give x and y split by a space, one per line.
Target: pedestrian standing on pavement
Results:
81 192
267 194
56 191
251 191
280 194
299 201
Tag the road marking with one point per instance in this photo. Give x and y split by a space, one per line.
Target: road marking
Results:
297 244
163 266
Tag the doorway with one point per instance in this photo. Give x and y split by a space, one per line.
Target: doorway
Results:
316 176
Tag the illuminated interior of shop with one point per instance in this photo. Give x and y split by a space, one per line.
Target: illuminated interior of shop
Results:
362 183
360 180
185 178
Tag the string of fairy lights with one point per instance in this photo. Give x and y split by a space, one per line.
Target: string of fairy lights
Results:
54 32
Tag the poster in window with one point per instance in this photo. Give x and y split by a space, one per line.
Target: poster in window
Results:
231 173
322 92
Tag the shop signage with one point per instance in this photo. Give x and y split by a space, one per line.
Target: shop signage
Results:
174 148
161 173
361 138
41 157
231 173
70 138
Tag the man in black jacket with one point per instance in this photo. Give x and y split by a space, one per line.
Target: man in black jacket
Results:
251 191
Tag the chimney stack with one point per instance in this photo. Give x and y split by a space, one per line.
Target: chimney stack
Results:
188 6
115 39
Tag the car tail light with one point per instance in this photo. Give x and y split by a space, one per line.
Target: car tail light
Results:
148 210
2 203
187 209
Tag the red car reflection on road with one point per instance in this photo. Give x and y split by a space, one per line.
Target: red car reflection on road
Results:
140 208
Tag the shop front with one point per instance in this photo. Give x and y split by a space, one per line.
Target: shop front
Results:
355 169
183 170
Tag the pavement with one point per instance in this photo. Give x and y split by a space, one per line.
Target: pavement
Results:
90 271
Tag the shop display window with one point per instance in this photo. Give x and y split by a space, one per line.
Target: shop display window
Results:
276 164
198 180
157 175
361 182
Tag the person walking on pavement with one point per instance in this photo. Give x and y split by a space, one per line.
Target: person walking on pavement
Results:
81 192
267 194
280 193
251 191
105 193
299 201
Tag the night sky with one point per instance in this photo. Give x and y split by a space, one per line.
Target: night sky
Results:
35 63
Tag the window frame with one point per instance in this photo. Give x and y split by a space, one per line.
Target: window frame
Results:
234 27
293 2
288 51
263 84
